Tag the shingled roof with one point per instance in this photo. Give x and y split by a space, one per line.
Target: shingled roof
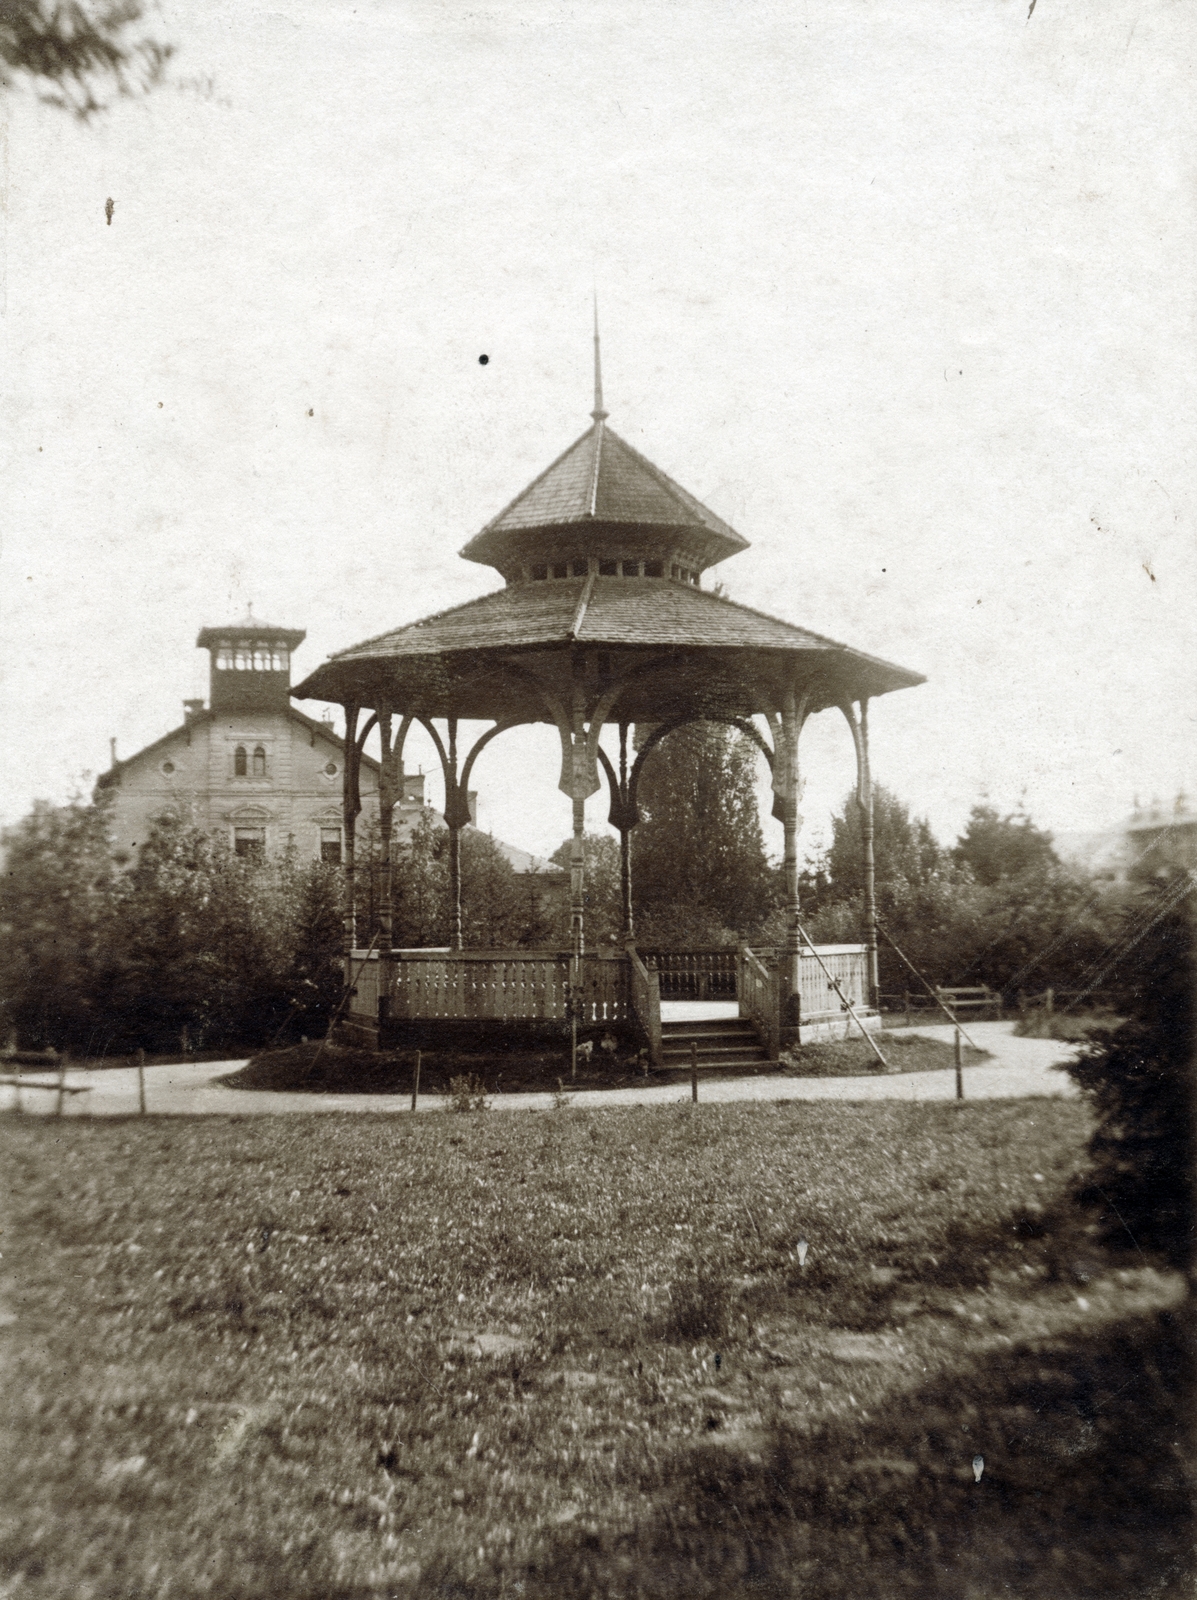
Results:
610 612
602 481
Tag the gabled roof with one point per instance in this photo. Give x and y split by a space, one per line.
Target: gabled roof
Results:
292 713
601 479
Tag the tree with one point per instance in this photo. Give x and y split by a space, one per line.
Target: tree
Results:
56 894
73 50
903 848
497 909
994 847
1139 1078
699 871
998 909
192 941
603 901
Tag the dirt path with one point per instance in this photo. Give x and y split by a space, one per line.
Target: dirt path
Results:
1019 1067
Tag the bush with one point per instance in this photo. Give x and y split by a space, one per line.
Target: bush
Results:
1139 1079
192 947
467 1092
699 1302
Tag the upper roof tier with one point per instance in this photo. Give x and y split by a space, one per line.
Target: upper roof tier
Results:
601 498
250 627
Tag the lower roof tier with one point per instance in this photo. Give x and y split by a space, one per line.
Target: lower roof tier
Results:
666 643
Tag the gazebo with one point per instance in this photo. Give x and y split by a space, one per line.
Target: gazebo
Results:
602 621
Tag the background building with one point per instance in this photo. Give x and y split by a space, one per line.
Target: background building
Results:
249 766
1154 839
252 769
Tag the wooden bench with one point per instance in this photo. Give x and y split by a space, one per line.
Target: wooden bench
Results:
978 998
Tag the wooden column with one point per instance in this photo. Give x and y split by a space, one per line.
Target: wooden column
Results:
386 807
859 726
351 804
453 820
390 782
577 882
787 790
625 822
870 875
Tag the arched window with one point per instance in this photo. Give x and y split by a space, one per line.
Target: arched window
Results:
259 762
239 766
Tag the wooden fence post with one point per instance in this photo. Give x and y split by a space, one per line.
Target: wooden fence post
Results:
140 1081
415 1083
694 1071
61 1084
959 1066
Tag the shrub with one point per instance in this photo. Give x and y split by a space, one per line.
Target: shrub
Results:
467 1092
1139 1080
699 1302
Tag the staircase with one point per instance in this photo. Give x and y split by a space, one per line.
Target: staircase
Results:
727 1045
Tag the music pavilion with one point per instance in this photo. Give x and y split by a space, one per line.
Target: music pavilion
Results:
602 621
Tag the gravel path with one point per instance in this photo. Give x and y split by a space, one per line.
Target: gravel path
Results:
1019 1068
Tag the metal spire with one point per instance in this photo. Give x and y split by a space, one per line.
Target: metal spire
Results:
598 413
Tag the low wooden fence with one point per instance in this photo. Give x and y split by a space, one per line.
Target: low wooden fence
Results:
493 985
694 974
848 965
539 985
645 994
757 993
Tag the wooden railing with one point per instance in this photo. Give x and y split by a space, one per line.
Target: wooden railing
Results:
645 992
694 974
529 985
757 993
848 964
493 984
363 976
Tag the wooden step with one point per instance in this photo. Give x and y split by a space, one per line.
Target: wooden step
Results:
727 1044
682 1069
722 1047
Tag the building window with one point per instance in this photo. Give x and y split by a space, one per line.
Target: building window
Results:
331 769
675 571
581 568
330 845
168 767
631 569
250 843
539 572
259 762
251 658
654 569
561 570
608 569
239 762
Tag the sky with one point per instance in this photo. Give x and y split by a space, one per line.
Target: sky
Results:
904 292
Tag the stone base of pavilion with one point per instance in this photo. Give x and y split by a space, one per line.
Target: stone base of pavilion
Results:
529 999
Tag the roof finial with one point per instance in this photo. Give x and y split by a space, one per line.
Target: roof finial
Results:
598 413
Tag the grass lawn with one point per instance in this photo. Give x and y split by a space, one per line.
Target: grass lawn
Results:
853 1057
574 1354
337 1069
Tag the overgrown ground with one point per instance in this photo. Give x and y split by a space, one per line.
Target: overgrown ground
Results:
1073 1026
337 1069
575 1354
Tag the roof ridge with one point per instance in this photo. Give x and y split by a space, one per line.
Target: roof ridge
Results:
433 616
688 501
596 468
528 487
